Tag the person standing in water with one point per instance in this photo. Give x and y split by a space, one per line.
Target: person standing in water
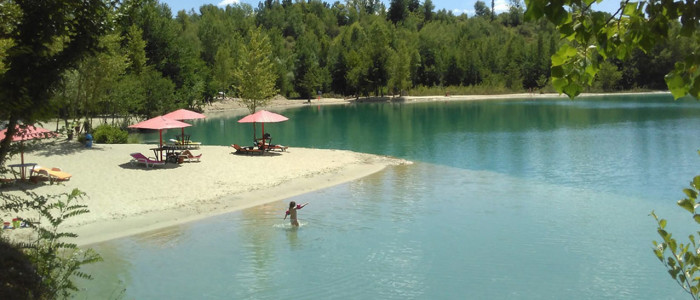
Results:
292 212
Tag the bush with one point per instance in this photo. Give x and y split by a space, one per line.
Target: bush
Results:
107 134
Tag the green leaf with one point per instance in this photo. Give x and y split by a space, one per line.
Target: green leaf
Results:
557 71
659 254
696 180
676 84
564 53
535 9
573 90
687 204
673 273
690 193
559 83
662 223
630 9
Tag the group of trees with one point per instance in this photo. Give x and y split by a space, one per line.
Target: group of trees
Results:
150 61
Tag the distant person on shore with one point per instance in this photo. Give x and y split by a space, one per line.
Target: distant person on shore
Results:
292 212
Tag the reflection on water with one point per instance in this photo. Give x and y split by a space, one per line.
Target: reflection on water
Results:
539 206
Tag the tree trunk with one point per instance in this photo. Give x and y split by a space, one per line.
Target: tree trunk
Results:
5 143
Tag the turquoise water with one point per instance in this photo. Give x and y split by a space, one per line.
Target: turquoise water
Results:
545 199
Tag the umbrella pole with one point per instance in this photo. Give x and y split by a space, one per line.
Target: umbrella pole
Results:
21 168
160 144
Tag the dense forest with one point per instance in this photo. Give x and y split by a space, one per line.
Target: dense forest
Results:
152 61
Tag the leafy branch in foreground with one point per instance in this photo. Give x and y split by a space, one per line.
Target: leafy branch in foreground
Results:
55 260
684 260
590 37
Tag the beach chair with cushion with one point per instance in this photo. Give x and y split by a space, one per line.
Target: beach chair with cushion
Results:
268 146
246 150
50 174
186 145
188 156
273 147
148 161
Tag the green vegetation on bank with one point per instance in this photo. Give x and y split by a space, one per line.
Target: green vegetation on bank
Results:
150 62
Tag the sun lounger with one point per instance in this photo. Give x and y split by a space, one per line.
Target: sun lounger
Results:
142 159
6 181
189 157
268 146
273 147
186 144
247 150
51 174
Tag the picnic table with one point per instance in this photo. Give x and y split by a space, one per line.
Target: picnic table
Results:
171 153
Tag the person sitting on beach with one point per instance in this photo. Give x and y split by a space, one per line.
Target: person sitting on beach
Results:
292 212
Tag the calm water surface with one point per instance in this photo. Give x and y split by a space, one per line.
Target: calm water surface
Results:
545 199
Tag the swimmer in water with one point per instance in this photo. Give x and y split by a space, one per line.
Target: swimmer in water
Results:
292 212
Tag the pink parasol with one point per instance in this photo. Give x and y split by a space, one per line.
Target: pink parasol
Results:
29 132
160 123
184 114
263 117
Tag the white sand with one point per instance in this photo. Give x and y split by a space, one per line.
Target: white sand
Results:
126 199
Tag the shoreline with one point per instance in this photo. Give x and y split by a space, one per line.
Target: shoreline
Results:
126 199
158 220
281 103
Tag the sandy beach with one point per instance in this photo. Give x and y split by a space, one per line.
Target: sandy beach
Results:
126 199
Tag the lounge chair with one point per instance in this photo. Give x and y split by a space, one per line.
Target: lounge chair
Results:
247 150
51 174
7 181
188 156
186 144
273 147
142 159
268 146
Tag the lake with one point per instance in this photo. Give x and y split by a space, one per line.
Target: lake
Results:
507 199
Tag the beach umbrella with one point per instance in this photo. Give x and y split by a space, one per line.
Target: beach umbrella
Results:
159 123
184 114
26 133
263 117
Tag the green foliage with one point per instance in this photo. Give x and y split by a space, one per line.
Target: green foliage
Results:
254 79
150 63
481 10
592 37
108 134
46 38
608 77
56 260
682 260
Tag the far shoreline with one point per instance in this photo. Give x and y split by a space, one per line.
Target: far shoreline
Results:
280 103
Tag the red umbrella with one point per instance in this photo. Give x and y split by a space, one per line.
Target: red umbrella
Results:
29 132
160 123
184 114
263 117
